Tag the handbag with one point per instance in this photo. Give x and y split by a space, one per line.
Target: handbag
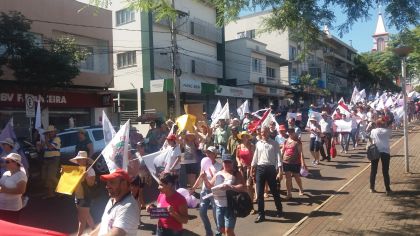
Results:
333 150
373 152
303 171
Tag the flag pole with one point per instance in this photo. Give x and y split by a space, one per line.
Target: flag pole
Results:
97 158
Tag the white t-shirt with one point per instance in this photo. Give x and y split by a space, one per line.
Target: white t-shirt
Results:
380 137
8 201
124 215
171 157
216 167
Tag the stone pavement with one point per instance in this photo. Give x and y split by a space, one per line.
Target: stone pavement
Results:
356 211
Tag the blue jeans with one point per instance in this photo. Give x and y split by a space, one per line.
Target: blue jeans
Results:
225 218
352 136
204 206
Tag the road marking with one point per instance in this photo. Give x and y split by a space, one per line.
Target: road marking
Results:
335 194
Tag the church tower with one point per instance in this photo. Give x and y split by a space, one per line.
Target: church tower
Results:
381 36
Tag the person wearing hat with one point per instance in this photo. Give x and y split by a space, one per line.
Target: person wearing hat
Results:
211 154
12 187
221 136
83 192
282 136
315 138
7 146
172 160
326 124
51 160
122 214
228 179
266 165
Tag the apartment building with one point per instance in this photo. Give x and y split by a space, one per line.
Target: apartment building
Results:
330 63
254 67
88 96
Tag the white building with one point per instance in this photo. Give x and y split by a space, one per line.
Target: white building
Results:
381 36
256 68
315 63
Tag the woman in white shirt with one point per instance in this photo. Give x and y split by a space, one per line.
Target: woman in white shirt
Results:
381 136
12 186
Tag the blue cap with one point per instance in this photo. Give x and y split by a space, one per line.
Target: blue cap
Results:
227 157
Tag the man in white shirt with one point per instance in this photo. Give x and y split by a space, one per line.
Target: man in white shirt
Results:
326 135
122 215
265 165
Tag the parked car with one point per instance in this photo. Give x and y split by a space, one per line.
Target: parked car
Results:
69 139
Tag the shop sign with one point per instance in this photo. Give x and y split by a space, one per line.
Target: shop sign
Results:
56 99
261 89
157 85
228 91
190 86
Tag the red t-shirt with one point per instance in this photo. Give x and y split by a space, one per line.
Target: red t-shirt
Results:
176 200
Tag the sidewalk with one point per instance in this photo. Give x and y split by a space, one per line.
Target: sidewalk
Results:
356 211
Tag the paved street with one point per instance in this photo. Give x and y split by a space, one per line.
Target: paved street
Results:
60 214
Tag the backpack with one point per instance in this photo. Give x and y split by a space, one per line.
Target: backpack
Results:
373 152
240 203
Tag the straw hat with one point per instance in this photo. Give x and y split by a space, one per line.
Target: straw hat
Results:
81 155
14 157
50 128
8 141
241 134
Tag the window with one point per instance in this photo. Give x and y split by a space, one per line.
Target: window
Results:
380 44
271 72
250 34
126 59
292 53
193 66
256 65
88 63
69 139
125 16
98 134
240 35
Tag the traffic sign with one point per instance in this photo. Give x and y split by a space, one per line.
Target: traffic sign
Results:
30 105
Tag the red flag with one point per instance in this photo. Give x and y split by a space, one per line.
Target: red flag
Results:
10 229
257 122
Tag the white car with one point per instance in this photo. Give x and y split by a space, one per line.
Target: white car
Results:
69 139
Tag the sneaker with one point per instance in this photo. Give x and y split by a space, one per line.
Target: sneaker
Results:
342 151
372 190
345 152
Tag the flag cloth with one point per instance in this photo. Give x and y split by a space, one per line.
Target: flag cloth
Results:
244 108
154 160
8 132
355 95
216 110
362 94
343 126
70 178
186 122
10 229
380 105
38 120
389 102
108 129
270 118
223 114
116 152
257 122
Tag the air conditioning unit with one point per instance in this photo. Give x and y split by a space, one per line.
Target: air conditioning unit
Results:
261 80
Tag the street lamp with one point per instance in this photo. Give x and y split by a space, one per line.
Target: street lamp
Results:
402 52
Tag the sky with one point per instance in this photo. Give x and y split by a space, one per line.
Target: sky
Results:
361 32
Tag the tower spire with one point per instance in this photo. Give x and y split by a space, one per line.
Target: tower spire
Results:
381 36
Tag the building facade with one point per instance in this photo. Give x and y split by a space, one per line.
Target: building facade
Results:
329 64
88 95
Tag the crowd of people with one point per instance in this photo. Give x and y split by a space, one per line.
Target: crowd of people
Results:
254 161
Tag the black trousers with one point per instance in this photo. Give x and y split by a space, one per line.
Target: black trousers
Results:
327 141
267 174
385 158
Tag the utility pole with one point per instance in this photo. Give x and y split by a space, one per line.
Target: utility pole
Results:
175 66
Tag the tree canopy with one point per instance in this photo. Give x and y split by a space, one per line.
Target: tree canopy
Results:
54 64
304 16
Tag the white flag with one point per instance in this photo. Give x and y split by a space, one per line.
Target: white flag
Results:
270 118
244 108
108 129
216 110
355 95
223 114
380 105
153 160
389 102
362 94
38 120
116 152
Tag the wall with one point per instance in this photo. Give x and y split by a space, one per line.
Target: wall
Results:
67 11
238 66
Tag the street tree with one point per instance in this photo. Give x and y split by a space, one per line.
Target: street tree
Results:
54 63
